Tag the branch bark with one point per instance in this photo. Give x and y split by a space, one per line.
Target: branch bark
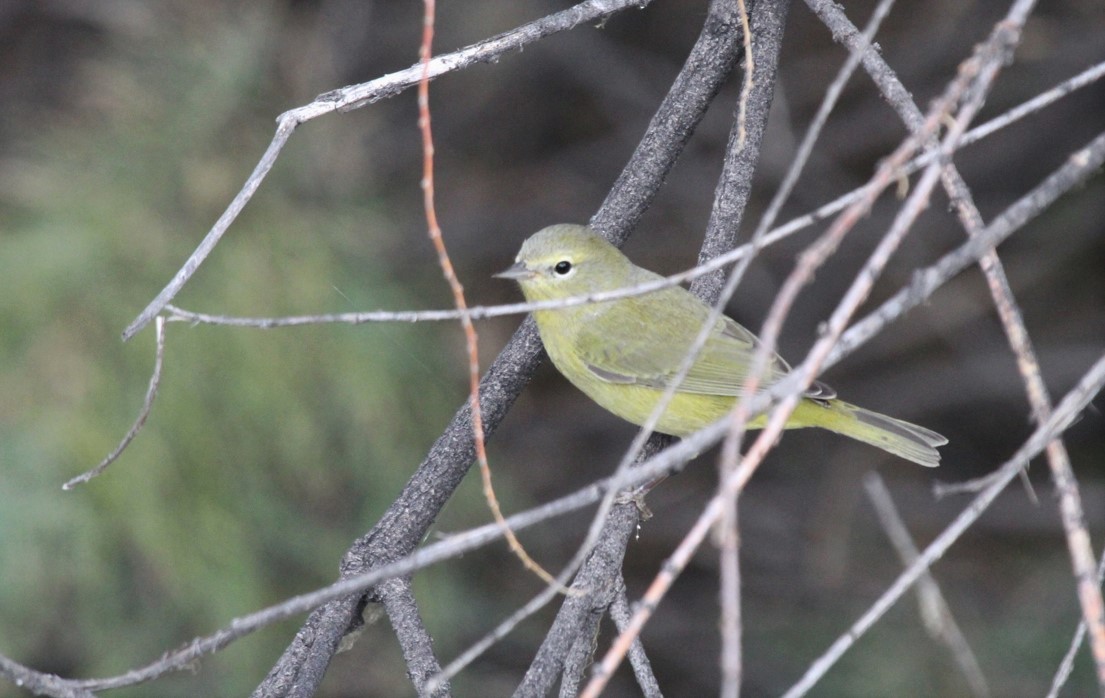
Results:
731 198
301 668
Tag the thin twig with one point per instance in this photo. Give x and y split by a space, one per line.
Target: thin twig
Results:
470 337
963 87
147 406
1079 166
395 594
1073 516
813 131
935 612
1062 674
356 96
728 532
1081 554
638 659
900 99
729 539
1064 415
1087 77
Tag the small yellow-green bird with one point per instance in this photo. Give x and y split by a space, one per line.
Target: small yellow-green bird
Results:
624 353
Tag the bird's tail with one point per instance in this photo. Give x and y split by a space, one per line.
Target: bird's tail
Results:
903 439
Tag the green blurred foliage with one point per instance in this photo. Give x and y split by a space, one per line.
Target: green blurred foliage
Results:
126 129
266 453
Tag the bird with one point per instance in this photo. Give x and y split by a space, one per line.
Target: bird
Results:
624 353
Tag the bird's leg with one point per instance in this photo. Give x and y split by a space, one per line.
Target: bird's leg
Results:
637 497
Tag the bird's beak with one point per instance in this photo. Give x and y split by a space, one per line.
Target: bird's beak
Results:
517 271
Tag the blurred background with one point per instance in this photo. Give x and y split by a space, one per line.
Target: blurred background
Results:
127 127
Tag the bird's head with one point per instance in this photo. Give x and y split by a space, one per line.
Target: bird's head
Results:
567 260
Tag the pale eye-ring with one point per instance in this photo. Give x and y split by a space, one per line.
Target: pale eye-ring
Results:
563 267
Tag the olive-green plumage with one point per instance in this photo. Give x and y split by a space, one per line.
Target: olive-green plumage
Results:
624 353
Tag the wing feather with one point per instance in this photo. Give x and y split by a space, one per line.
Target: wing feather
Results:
643 340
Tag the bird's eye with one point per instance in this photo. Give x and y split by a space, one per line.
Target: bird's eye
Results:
563 267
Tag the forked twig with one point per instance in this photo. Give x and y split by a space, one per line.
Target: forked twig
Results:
966 88
1073 517
1071 174
147 406
356 96
1064 415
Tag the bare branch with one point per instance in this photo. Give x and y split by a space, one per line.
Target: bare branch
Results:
728 532
414 639
1063 416
935 612
39 683
356 96
1078 167
402 526
147 406
638 659
727 540
1086 77
1074 523
710 261
971 90
1062 674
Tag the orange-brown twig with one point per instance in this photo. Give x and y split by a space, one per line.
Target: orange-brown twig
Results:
455 286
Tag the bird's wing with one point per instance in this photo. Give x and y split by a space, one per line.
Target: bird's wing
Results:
653 335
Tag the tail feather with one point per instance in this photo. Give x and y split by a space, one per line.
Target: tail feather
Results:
909 441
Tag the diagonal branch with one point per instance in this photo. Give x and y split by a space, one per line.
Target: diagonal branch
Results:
401 528
356 96
1073 516
642 668
935 612
415 641
970 88
1063 416
143 414
1080 166
731 197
